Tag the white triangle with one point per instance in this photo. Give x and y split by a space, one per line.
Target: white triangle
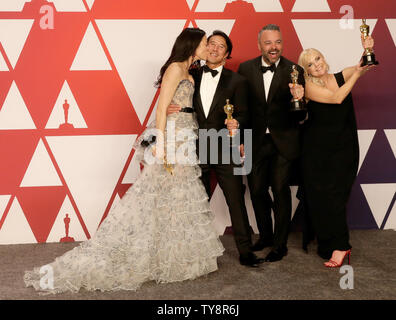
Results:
41 171
58 230
140 66
4 199
365 139
133 172
13 42
336 36
295 201
16 228
219 5
392 28
14 113
69 5
3 64
249 207
212 6
90 55
219 207
210 25
391 221
391 135
266 6
379 197
153 113
311 6
91 166
115 202
12 5
90 3
190 3
57 116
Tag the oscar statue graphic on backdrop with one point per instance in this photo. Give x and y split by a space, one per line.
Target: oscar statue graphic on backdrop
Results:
67 223
66 125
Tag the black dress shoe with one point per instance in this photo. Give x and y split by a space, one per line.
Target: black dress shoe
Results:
261 244
250 260
276 255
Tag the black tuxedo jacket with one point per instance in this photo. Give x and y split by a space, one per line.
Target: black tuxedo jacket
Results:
231 86
274 113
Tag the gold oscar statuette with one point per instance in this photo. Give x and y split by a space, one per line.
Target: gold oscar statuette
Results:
368 55
229 109
296 104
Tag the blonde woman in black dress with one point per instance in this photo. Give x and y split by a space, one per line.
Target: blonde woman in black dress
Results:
330 151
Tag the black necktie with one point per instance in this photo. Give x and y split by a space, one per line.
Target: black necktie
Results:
271 68
207 69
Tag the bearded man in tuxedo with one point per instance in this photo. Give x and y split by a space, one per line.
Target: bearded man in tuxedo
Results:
275 133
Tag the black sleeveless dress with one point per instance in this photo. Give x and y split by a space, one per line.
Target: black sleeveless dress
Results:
330 158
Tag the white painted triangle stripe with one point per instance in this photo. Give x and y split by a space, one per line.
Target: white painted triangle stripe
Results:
209 25
295 201
308 29
139 68
3 64
90 3
365 139
14 113
391 135
90 55
91 166
212 5
392 28
16 228
13 42
69 5
4 199
219 5
133 172
220 209
379 197
266 6
58 230
311 6
57 117
249 208
190 3
12 5
391 222
41 171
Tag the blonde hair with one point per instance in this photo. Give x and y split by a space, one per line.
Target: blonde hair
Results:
303 61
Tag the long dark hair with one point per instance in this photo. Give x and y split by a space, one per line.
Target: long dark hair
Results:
185 45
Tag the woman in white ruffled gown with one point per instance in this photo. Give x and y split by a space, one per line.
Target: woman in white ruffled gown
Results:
161 230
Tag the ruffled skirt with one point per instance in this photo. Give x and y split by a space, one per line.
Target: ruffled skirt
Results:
161 231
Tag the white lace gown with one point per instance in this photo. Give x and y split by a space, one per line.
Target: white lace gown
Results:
161 230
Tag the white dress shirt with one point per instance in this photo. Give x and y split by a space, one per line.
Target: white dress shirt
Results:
208 88
267 77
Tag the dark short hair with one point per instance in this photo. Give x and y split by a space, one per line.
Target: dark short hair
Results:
226 38
270 27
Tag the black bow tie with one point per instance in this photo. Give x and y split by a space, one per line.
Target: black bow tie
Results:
271 68
207 69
